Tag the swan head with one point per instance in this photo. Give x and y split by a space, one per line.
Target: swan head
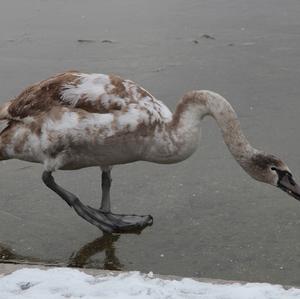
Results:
272 170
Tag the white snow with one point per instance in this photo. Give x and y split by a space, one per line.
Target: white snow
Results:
61 283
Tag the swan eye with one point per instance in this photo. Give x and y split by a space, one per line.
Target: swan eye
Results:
276 170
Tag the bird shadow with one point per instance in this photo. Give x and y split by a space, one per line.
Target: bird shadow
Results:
106 244
80 258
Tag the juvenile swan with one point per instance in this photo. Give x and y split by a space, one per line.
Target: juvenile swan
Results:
75 120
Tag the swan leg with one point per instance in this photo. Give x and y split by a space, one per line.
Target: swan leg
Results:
105 184
105 221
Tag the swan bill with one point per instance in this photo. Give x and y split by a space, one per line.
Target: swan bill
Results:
288 185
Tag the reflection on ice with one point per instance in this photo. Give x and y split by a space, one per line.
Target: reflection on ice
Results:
79 258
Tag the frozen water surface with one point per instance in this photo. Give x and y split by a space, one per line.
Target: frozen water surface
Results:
210 218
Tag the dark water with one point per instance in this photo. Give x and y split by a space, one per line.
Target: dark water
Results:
210 218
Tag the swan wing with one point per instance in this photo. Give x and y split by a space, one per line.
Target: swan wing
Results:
94 93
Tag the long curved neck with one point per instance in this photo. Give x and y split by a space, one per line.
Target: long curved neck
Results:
197 104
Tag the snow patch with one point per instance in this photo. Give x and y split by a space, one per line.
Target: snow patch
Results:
59 283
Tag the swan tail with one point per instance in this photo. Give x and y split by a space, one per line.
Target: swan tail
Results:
4 124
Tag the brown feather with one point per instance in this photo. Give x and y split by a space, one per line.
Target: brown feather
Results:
40 97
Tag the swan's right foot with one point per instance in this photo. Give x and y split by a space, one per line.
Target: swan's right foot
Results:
110 222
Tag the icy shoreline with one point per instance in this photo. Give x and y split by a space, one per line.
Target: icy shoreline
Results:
58 283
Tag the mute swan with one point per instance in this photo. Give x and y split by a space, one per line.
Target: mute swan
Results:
75 120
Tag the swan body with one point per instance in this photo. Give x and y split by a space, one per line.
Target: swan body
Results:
75 120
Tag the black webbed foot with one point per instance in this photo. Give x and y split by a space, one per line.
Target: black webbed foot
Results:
112 223
105 220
